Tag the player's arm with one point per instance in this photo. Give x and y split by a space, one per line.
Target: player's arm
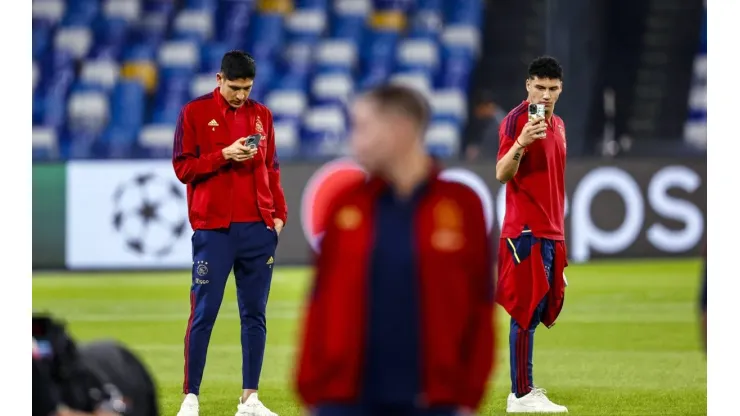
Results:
189 164
479 335
273 173
511 150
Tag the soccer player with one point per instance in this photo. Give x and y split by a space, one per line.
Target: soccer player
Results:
225 152
532 253
400 319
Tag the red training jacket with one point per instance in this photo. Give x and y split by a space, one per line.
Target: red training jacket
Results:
455 264
199 163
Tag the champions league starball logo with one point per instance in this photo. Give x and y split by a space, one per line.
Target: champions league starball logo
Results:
335 177
149 214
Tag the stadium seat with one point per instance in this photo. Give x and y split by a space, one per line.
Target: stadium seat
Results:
286 104
179 54
110 37
202 84
232 21
36 75
144 72
44 143
77 40
335 54
50 11
323 131
305 26
274 6
286 139
466 12
266 35
450 105
456 68
128 105
332 88
41 34
417 80
211 55
311 4
157 136
88 112
298 58
103 73
442 140
195 25
462 37
128 10
80 12
426 24
418 55
201 4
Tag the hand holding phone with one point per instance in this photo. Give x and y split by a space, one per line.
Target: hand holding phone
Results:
254 140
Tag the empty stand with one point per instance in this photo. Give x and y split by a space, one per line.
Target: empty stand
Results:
111 76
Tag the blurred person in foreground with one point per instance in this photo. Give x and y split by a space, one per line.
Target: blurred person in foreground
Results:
237 210
400 319
532 252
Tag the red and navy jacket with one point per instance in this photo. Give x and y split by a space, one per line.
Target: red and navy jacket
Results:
212 181
425 263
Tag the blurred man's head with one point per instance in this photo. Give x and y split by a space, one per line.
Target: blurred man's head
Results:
236 77
388 122
545 82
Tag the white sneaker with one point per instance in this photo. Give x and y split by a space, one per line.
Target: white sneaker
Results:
253 407
534 402
189 406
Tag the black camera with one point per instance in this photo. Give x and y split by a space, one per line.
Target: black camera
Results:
98 375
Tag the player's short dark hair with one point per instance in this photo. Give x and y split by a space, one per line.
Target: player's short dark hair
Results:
402 100
545 67
238 65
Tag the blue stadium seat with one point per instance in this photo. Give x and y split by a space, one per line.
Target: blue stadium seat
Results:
426 24
110 37
87 112
266 36
172 94
36 75
41 31
211 55
466 12
449 105
311 4
399 5
128 106
100 72
44 144
49 12
457 65
377 57
157 139
287 140
323 132
80 12
336 54
201 4
332 88
196 25
430 5
443 139
418 55
287 105
202 84
232 21
76 40
305 26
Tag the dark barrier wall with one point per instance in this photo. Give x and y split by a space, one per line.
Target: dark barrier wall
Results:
636 208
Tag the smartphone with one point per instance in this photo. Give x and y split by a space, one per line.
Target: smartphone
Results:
536 111
254 140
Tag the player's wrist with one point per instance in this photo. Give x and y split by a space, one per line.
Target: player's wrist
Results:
518 143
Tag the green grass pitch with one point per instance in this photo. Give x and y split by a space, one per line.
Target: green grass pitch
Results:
626 342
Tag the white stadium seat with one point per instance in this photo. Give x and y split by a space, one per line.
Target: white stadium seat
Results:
182 54
100 72
157 136
76 40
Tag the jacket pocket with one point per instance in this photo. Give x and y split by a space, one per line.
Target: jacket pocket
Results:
521 247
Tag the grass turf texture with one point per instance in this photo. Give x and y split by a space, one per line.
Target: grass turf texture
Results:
626 342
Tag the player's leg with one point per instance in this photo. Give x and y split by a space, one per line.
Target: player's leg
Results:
213 259
253 275
525 397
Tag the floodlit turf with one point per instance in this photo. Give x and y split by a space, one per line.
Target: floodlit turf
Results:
625 344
